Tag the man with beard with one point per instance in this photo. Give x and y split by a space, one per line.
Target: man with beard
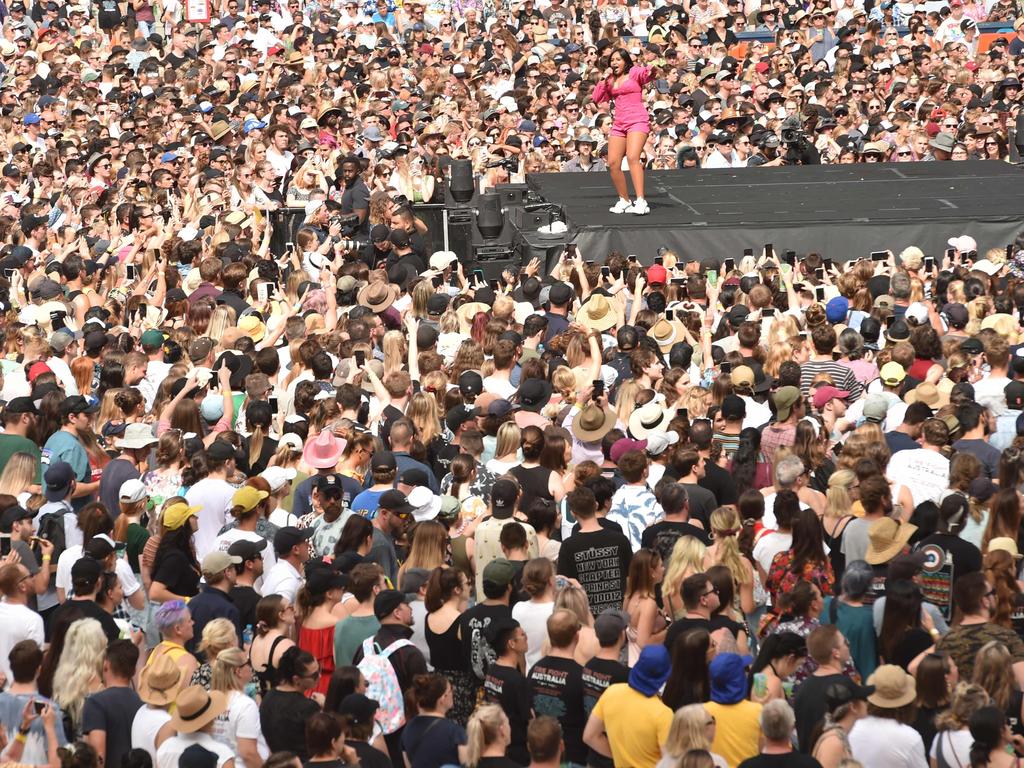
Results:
19 420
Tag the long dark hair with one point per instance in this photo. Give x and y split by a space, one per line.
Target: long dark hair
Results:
689 682
179 539
987 729
626 59
777 646
902 613
355 532
744 460
808 543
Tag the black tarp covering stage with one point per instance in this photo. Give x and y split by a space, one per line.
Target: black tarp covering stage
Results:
841 211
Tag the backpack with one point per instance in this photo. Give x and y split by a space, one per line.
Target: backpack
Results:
382 683
51 528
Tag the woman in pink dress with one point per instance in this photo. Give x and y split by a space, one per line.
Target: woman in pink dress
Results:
623 85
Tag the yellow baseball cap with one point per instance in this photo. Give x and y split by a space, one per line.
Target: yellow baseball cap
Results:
248 497
176 515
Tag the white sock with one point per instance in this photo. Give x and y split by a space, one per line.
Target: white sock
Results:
623 199
641 200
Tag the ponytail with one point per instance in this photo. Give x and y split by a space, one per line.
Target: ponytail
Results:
256 444
482 731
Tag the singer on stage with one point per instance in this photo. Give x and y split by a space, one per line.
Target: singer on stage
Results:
623 85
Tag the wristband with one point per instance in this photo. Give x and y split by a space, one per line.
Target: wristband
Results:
47 558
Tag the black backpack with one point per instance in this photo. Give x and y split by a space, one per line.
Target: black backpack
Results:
51 528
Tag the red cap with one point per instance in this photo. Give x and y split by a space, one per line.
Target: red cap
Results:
822 396
762 67
657 275
36 370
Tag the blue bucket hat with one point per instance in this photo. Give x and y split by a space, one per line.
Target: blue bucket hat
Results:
728 673
651 670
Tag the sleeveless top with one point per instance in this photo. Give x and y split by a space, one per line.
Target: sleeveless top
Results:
266 676
534 482
445 648
174 651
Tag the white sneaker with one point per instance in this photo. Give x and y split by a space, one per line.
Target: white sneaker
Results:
623 206
640 207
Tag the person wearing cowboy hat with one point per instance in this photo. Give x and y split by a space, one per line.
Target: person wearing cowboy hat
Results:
584 162
159 685
322 454
195 711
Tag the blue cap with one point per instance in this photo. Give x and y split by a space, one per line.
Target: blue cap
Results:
252 124
31 119
572 48
836 309
651 670
205 106
168 157
528 125
58 478
728 675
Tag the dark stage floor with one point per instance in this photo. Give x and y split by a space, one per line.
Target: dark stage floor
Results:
845 210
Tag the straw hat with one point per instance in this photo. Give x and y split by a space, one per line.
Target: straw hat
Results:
666 333
929 394
160 682
467 312
886 539
1004 544
597 314
894 688
593 422
195 708
219 129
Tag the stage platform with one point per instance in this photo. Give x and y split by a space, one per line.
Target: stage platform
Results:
841 211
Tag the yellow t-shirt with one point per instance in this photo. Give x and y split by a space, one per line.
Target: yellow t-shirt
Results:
737 730
636 725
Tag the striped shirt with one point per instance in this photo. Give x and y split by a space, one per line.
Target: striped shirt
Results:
841 375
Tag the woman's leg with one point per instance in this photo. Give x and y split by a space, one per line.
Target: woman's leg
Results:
616 151
635 141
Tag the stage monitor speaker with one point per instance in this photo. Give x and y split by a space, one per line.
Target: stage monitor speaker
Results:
512 194
490 219
461 185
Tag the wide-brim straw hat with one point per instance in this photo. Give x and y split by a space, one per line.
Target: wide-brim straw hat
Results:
160 682
195 707
886 539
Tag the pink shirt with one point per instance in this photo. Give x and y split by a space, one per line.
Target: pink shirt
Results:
629 103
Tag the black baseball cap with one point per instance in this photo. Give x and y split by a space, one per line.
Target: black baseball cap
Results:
395 501
247 549
12 515
387 600
383 460
21 405
289 536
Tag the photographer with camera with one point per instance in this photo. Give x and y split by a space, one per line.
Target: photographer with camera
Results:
767 154
797 147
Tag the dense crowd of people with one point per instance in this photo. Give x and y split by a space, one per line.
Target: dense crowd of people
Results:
334 498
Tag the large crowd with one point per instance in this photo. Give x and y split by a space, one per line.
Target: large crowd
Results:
349 502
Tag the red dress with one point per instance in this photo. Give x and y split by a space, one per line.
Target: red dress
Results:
320 643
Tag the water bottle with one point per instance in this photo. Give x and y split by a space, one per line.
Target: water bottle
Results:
247 635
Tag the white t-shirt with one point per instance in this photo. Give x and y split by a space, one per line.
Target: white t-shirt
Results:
17 623
769 545
768 520
229 537
990 393
213 497
129 584
240 720
282 580
146 725
281 517
170 751
501 387
419 627
955 747
924 472
877 742
533 618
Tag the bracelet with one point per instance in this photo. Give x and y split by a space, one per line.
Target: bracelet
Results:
47 558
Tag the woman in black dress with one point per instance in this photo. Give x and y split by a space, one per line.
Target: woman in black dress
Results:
446 599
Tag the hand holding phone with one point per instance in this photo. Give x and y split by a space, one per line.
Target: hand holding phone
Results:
598 385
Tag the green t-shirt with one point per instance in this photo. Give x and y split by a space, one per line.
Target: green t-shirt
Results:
12 444
349 634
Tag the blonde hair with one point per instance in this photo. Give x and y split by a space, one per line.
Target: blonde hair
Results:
222 674
687 731
19 473
837 500
80 663
218 635
483 729
625 399
509 439
222 318
574 600
422 412
395 350
687 558
725 523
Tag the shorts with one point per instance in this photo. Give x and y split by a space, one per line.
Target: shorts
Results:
642 126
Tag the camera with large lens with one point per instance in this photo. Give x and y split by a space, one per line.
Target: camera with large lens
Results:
349 222
350 244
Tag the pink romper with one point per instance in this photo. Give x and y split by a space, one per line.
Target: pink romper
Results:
630 114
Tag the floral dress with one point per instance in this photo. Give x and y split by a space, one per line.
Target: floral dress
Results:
782 578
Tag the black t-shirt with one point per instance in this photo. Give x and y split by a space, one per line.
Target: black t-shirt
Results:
176 572
112 711
599 561
789 760
283 716
596 676
557 686
245 599
913 643
721 620
507 687
702 503
388 416
369 757
664 535
475 647
681 625
90 610
719 481
809 705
